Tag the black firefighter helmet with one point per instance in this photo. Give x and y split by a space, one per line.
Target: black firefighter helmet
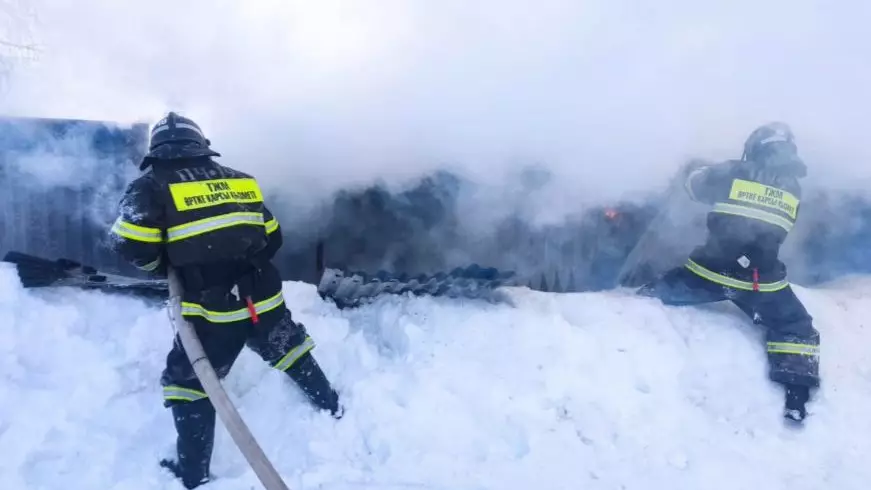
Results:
175 137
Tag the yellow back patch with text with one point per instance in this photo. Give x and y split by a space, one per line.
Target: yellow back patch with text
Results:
206 193
763 195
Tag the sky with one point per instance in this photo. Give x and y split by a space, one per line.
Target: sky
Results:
611 96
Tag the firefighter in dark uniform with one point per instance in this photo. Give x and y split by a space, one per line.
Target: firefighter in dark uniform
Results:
209 222
755 205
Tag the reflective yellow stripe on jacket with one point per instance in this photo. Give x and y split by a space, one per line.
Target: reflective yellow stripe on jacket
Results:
136 232
730 282
145 234
752 213
194 309
194 228
271 226
151 266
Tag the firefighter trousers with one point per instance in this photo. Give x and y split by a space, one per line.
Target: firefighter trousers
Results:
285 345
792 341
282 345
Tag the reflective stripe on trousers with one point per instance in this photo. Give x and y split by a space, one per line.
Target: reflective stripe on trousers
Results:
177 393
793 348
194 309
753 213
206 225
729 282
291 357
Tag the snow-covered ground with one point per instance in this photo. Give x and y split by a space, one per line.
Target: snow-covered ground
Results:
575 391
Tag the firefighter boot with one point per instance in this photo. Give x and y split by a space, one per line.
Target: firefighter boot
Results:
195 425
309 376
796 397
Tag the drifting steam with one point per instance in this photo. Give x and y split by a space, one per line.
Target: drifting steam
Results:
608 98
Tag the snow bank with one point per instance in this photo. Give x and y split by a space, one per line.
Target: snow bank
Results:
592 391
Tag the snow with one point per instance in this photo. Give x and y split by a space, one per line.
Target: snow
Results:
592 391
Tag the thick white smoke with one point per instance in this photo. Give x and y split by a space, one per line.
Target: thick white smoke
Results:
611 95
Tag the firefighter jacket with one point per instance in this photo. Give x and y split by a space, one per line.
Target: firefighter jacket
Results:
210 223
753 212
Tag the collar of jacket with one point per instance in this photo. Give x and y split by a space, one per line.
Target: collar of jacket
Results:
779 158
176 151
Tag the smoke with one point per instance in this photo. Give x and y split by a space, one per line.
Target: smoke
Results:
609 97
44 158
16 42
609 93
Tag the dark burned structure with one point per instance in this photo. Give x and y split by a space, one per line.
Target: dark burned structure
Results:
61 180
420 231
